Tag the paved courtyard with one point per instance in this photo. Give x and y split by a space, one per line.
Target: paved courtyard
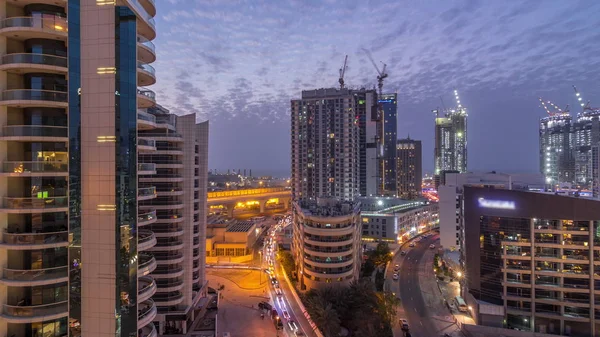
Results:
238 313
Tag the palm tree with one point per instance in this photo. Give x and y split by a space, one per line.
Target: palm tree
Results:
325 317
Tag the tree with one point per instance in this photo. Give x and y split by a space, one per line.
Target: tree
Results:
287 262
381 255
324 316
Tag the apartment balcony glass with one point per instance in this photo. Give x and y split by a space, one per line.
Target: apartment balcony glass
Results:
29 62
35 131
148 331
146 144
146 50
146 288
146 264
147 218
146 168
27 27
11 203
34 240
34 313
29 167
145 193
146 74
146 98
33 277
146 239
146 313
34 97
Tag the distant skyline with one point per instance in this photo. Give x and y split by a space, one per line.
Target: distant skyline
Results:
239 63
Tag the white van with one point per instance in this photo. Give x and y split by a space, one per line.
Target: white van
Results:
460 303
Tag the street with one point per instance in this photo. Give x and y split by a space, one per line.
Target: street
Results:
421 302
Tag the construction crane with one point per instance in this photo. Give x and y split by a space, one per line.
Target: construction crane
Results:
557 110
343 72
382 74
585 106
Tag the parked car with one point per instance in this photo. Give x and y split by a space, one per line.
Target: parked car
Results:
265 305
412 244
432 246
403 253
395 277
404 324
396 267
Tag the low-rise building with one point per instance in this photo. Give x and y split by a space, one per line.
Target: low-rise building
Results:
530 260
231 238
389 219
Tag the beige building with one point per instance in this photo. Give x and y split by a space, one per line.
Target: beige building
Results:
326 242
231 238
103 221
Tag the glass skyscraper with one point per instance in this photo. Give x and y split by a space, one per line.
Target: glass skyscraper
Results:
388 144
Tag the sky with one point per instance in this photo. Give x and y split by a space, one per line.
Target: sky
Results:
238 63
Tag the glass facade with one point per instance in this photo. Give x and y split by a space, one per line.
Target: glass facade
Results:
74 56
126 170
390 136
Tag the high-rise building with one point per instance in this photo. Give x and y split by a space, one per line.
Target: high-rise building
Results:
451 140
409 171
327 126
80 229
172 171
585 134
334 143
596 170
530 261
556 151
390 135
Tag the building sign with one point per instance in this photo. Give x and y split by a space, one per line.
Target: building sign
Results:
500 204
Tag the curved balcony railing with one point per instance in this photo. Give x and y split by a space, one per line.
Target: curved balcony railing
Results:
147 43
143 13
146 218
34 167
149 330
35 275
146 116
50 23
35 311
31 58
35 131
146 142
146 264
147 67
146 288
146 312
35 203
148 93
166 299
35 95
147 191
34 238
329 271
146 167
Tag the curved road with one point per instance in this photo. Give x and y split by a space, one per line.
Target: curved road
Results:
425 317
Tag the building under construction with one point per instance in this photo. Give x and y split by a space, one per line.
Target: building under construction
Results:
450 152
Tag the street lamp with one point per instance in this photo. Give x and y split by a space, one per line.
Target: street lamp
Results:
459 274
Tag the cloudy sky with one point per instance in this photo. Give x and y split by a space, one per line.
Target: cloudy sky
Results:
238 63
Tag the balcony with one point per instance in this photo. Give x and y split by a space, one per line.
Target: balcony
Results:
164 178
171 192
23 28
146 169
145 145
168 285
148 331
146 75
162 232
146 98
333 263
24 63
146 239
327 231
34 168
35 133
146 193
163 205
145 121
35 313
327 253
29 241
167 273
35 205
162 258
329 242
331 274
34 277
146 313
146 264
26 98
146 288
163 136
147 218
168 299
149 6
146 26
146 50
167 245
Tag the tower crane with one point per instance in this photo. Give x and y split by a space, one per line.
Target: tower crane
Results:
343 72
556 111
381 73
585 106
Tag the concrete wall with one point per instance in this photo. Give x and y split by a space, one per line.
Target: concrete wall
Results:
486 331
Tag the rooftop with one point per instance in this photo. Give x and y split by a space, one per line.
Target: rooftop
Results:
240 227
329 207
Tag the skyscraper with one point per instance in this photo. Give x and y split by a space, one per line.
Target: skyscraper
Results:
556 154
451 141
81 220
409 168
326 127
390 135
585 134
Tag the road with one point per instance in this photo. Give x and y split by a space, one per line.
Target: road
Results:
421 303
